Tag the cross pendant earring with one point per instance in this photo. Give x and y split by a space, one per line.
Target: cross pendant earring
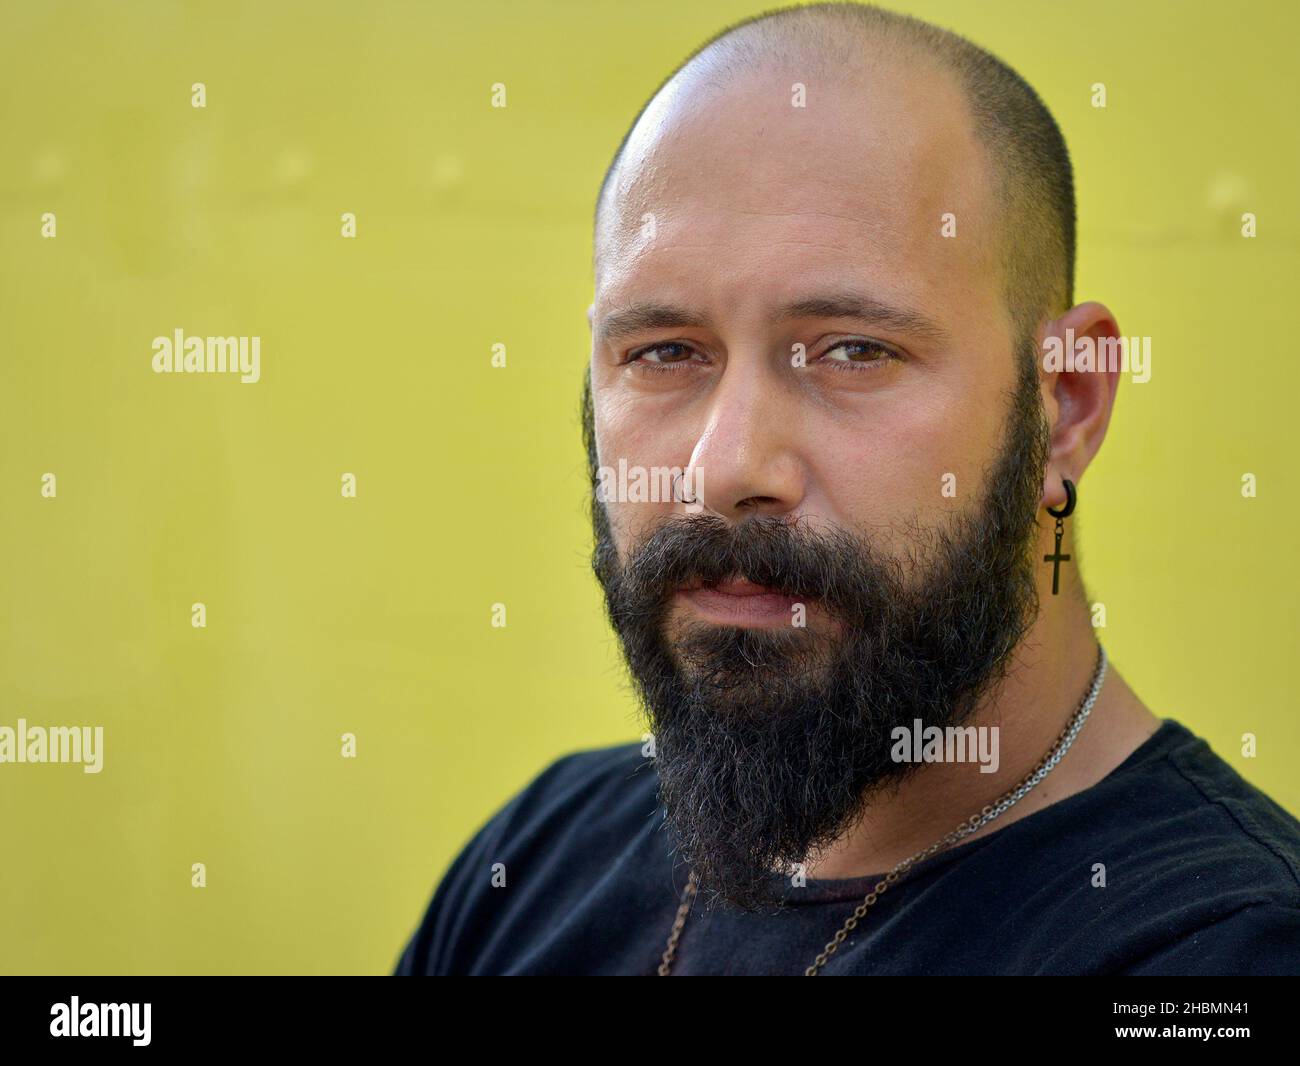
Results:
1056 559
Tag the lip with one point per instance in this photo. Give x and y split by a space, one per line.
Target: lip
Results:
738 602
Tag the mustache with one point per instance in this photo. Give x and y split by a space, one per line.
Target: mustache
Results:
786 555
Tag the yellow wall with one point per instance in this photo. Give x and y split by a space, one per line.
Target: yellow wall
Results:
328 615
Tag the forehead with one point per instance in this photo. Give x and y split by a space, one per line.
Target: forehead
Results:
732 194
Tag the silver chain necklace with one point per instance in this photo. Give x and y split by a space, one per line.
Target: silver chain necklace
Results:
971 825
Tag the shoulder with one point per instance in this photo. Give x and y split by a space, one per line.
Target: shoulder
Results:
584 799
1177 809
1240 879
583 777
1197 870
1247 818
1228 823
578 811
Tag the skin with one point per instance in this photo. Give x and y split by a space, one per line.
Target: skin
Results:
756 205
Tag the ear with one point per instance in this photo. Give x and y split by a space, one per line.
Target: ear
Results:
591 317
1080 375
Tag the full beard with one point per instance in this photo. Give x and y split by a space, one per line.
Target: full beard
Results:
769 743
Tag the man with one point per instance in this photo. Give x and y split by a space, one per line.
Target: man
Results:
830 256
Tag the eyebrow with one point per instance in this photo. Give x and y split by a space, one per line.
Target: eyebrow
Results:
637 318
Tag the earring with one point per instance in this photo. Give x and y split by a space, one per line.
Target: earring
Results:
1056 559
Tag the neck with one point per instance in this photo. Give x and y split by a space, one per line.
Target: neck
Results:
1051 673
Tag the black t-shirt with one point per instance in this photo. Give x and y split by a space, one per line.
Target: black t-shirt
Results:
1202 876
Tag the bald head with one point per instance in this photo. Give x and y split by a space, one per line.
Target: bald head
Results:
1021 186
826 256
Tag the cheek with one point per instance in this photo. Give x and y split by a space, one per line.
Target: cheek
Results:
625 422
628 442
918 463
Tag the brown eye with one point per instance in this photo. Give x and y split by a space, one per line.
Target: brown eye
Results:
858 354
663 354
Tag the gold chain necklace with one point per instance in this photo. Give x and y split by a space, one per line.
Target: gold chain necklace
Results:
973 823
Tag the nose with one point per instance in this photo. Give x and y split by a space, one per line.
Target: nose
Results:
745 461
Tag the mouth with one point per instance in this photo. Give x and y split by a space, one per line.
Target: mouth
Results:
737 602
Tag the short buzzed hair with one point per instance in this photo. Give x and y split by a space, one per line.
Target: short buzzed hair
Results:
1031 163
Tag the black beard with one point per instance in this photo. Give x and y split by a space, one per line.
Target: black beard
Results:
768 744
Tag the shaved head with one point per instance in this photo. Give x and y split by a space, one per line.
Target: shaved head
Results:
826 48
826 254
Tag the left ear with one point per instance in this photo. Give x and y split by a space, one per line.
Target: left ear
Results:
1078 392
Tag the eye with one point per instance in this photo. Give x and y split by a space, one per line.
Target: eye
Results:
662 356
858 355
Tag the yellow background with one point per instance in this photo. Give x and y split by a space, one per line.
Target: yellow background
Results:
371 616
